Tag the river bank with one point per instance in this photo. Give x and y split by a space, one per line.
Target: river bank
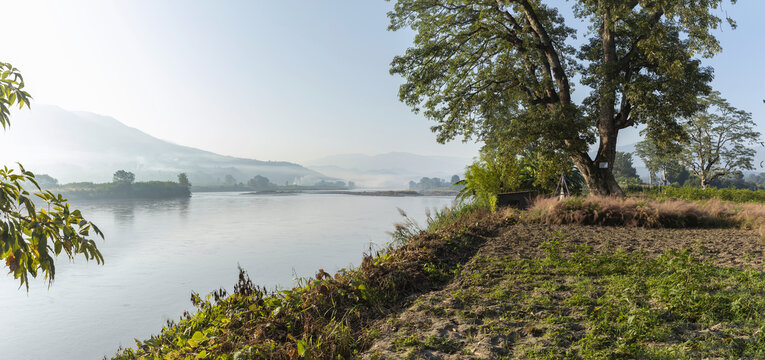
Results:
123 190
477 285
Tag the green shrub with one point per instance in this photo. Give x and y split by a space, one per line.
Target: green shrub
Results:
494 174
138 190
694 193
489 176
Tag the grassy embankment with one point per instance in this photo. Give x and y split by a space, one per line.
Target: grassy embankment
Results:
325 317
554 298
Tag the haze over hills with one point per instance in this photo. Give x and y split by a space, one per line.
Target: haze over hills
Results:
80 146
391 170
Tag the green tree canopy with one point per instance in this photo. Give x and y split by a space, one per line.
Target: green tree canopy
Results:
123 177
229 180
502 70
31 237
46 181
260 183
659 156
624 170
719 140
183 179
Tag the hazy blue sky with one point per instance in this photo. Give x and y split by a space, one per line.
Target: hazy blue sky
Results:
272 80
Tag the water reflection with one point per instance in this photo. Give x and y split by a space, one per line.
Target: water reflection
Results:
124 210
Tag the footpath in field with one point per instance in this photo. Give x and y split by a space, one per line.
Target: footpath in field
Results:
572 291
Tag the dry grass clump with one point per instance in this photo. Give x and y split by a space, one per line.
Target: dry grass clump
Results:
752 217
614 211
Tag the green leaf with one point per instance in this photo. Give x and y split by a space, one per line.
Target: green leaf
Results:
301 348
196 339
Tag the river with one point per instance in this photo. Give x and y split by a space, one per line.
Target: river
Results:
158 251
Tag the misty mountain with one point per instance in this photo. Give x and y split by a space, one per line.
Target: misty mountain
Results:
392 170
80 146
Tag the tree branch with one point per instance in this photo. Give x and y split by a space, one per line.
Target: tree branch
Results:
564 88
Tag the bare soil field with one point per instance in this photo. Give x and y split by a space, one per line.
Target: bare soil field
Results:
723 246
497 308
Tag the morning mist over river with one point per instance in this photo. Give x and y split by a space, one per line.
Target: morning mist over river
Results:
204 179
158 251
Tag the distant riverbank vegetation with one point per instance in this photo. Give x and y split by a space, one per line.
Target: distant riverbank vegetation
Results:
695 193
123 186
436 185
262 183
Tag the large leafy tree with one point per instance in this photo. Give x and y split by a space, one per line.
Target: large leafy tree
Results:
659 157
123 177
183 179
719 140
30 237
260 183
479 68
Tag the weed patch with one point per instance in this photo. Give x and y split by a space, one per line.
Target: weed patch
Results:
573 303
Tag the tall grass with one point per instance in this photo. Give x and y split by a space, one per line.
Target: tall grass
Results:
752 217
636 212
435 221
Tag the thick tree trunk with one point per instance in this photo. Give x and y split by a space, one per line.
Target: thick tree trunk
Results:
600 181
598 173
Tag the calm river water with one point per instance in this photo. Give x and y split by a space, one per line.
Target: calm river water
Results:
158 252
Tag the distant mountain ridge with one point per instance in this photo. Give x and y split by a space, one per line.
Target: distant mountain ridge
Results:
81 146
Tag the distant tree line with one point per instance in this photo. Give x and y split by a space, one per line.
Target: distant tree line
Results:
123 186
713 147
435 183
262 183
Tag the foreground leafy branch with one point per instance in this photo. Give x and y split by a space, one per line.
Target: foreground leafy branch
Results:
31 237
